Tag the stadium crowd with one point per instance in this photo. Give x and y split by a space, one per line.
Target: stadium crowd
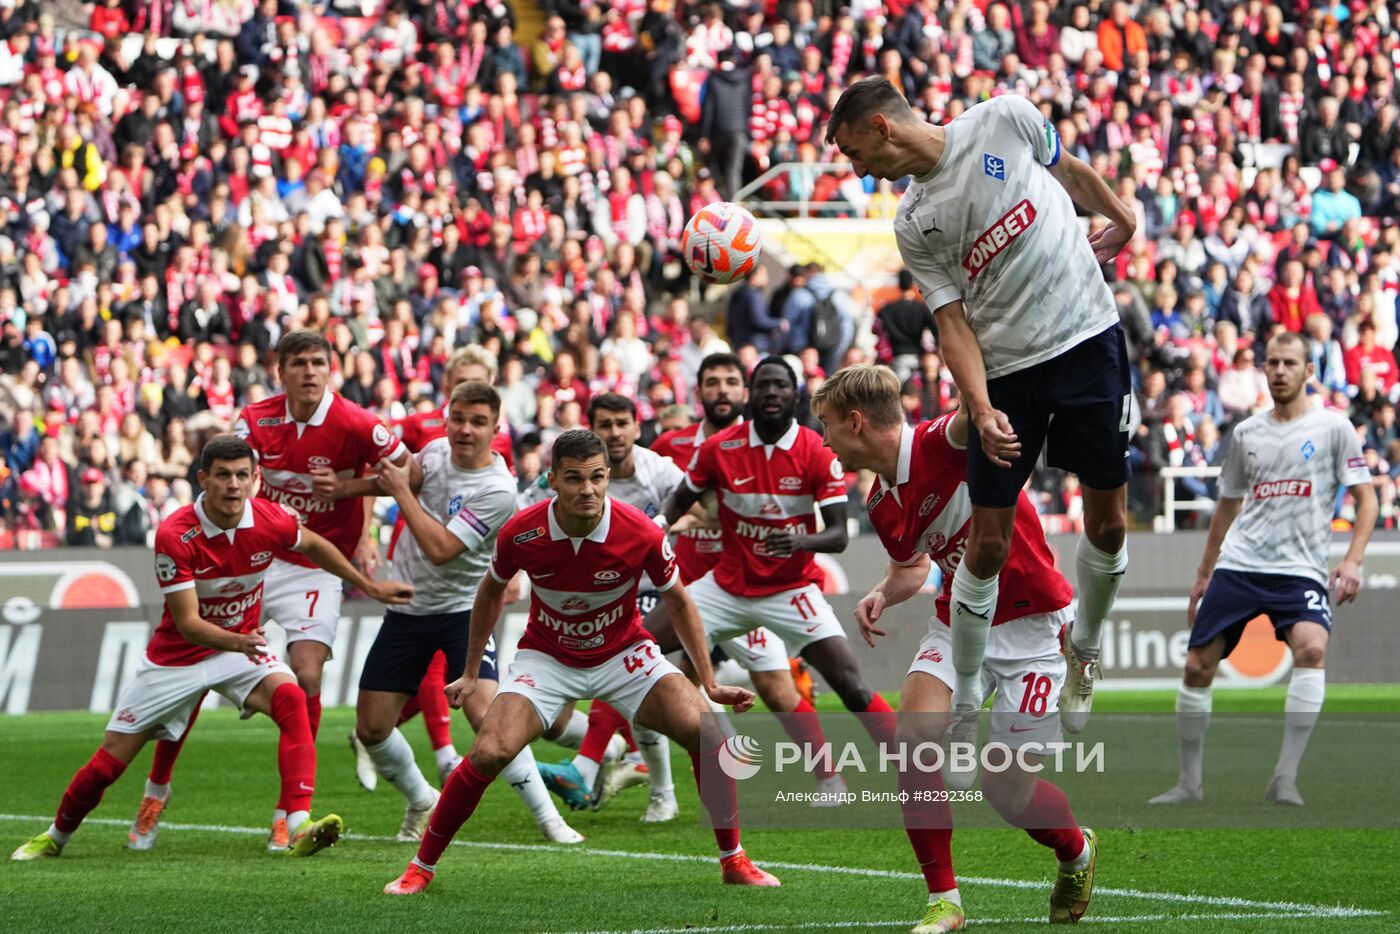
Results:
182 181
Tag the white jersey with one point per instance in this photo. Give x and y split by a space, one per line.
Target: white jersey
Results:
990 226
1288 474
473 505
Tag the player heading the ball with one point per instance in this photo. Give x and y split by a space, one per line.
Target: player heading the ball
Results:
1029 329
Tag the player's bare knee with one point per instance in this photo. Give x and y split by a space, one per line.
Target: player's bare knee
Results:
1200 670
777 690
1008 791
1107 532
372 732
986 554
491 754
1310 654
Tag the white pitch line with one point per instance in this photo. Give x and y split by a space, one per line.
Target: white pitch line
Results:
1224 901
905 922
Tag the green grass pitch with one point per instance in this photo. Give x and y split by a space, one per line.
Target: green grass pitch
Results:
209 872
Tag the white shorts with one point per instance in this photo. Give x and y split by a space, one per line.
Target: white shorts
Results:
798 617
1023 665
758 650
164 697
624 680
305 602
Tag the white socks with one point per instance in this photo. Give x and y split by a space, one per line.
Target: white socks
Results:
157 791
1306 690
445 756
1192 719
523 775
587 768
295 819
951 895
1079 862
974 603
58 836
574 730
656 751
394 760
1100 574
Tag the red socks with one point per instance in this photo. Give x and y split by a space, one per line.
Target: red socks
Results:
802 724
85 790
437 716
603 722
929 823
410 709
1050 822
313 712
720 797
460 796
880 720
296 751
167 751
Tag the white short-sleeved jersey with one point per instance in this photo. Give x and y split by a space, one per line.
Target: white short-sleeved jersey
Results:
473 505
651 482
1288 474
992 227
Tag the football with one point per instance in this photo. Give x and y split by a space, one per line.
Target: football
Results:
720 242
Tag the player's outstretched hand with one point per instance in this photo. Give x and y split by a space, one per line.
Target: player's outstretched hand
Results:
1197 592
394 593
253 645
1346 581
458 691
1108 241
393 479
868 612
737 699
999 441
325 484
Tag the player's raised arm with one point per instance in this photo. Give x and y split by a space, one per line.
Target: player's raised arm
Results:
1346 576
1087 190
901 581
439 544
327 557
184 610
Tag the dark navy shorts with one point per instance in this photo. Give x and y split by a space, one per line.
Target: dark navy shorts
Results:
647 601
1233 598
405 646
1074 406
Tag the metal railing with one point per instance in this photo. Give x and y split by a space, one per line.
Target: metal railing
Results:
1166 522
804 206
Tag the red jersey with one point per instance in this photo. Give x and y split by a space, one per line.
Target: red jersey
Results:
764 489
339 435
931 513
224 566
418 429
697 550
588 611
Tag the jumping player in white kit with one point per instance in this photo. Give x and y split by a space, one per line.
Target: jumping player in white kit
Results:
308 443
1028 328
1267 554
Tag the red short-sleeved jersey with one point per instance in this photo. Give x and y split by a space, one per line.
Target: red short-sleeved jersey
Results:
928 510
224 566
697 550
764 489
340 435
583 591
418 429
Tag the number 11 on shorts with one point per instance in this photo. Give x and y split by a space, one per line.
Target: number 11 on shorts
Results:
803 604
